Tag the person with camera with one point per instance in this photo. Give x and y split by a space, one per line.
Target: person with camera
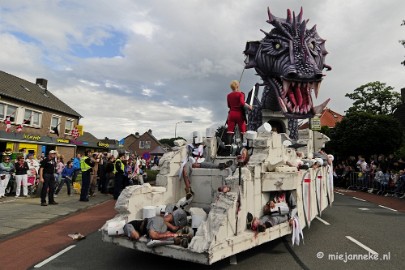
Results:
97 158
21 170
66 177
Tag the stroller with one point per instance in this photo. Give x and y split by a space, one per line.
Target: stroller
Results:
33 185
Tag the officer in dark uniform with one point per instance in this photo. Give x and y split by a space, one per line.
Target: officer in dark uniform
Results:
47 177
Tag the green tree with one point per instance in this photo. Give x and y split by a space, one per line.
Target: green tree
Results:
374 98
326 130
366 134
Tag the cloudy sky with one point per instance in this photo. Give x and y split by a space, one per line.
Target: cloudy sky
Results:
130 65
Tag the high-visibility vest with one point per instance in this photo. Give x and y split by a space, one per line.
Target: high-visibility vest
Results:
115 166
83 165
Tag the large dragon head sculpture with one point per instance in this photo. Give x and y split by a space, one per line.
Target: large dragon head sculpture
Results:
290 60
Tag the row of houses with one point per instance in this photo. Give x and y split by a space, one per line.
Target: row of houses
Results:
34 119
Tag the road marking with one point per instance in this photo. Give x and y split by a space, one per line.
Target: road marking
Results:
321 220
359 199
54 256
387 208
345 190
362 245
364 209
339 193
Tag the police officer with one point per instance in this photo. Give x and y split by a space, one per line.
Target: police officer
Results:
119 168
47 177
86 165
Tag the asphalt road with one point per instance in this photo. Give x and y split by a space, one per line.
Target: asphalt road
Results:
355 229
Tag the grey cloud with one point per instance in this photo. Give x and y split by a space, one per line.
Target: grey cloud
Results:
193 53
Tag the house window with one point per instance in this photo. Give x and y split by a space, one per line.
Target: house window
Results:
11 111
8 110
144 144
69 126
55 122
32 118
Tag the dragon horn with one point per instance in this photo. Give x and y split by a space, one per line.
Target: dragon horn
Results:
294 26
319 109
271 17
300 15
288 16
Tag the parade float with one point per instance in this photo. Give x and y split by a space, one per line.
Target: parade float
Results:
289 60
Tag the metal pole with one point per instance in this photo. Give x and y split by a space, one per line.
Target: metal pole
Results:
175 126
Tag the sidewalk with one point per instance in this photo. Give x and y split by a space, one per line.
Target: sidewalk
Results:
21 214
29 247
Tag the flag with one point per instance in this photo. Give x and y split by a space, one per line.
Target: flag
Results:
75 133
56 131
8 124
121 142
19 128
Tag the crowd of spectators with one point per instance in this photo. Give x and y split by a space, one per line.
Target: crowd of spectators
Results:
380 174
102 173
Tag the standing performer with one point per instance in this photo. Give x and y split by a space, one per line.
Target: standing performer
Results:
236 104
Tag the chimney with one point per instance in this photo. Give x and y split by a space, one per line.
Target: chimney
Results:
150 131
42 83
403 95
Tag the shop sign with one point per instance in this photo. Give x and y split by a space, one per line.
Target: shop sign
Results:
102 144
63 140
32 137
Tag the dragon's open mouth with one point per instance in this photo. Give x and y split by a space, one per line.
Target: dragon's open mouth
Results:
295 98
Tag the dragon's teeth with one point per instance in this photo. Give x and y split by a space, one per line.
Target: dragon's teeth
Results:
283 107
286 87
316 88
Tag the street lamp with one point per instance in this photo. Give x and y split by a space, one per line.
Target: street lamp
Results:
175 127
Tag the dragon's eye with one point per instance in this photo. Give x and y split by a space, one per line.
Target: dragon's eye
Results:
274 47
311 45
277 46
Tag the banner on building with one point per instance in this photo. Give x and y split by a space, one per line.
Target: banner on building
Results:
80 128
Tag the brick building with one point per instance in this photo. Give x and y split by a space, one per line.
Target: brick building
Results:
328 118
39 112
141 145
